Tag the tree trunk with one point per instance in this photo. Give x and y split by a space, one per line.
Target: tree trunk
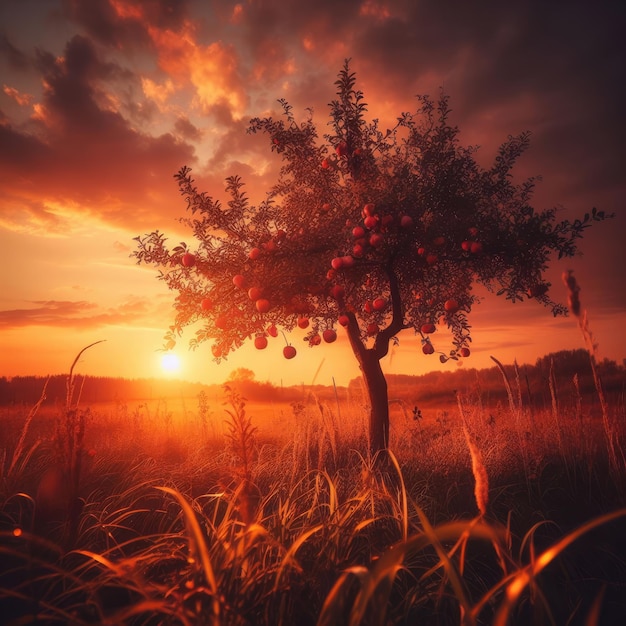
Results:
379 403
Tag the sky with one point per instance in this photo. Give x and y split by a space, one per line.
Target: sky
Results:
103 101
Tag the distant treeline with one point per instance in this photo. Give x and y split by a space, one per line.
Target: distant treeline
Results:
570 369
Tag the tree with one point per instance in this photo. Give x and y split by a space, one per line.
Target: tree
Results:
375 231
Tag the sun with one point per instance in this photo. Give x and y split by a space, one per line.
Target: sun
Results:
170 363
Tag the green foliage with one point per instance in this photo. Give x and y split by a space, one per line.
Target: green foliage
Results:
409 213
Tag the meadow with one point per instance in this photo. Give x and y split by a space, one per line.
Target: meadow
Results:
218 509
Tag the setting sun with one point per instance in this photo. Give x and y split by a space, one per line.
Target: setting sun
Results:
170 363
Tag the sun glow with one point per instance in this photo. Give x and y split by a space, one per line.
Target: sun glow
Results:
170 363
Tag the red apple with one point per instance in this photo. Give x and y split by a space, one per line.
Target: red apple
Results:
344 320
325 166
239 280
329 335
371 221
372 329
342 149
348 261
262 305
358 232
379 304
315 340
406 221
254 293
465 352
451 306
221 322
303 322
369 209
337 263
337 292
330 274
357 251
206 304
387 219
427 348
254 254
272 330
421 251
188 260
270 245
477 247
431 259
289 352
466 245
260 342
326 207
376 240
428 328
368 307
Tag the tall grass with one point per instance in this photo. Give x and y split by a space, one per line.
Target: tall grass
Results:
253 530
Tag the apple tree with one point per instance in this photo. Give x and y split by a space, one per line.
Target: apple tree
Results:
376 232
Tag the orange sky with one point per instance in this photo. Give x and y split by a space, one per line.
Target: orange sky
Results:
104 100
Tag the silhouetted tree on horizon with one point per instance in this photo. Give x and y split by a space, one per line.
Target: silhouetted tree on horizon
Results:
378 232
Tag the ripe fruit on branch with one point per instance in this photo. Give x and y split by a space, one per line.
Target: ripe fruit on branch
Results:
406 221
421 251
358 232
260 342
428 328
372 329
451 306
431 259
369 209
206 304
376 240
254 293
303 322
476 247
464 352
537 290
315 340
221 322
344 320
337 292
253 255
357 251
325 166
348 260
239 280
272 331
466 245
262 305
342 149
337 262
329 335
371 221
270 245
289 352
379 304
387 219
427 348
188 260
326 207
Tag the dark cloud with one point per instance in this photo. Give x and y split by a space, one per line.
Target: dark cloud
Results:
81 149
15 58
187 130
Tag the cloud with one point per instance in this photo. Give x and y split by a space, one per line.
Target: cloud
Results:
76 314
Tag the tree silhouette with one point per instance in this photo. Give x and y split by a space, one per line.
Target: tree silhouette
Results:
374 231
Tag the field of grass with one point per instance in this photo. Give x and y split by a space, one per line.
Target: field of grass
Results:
215 511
